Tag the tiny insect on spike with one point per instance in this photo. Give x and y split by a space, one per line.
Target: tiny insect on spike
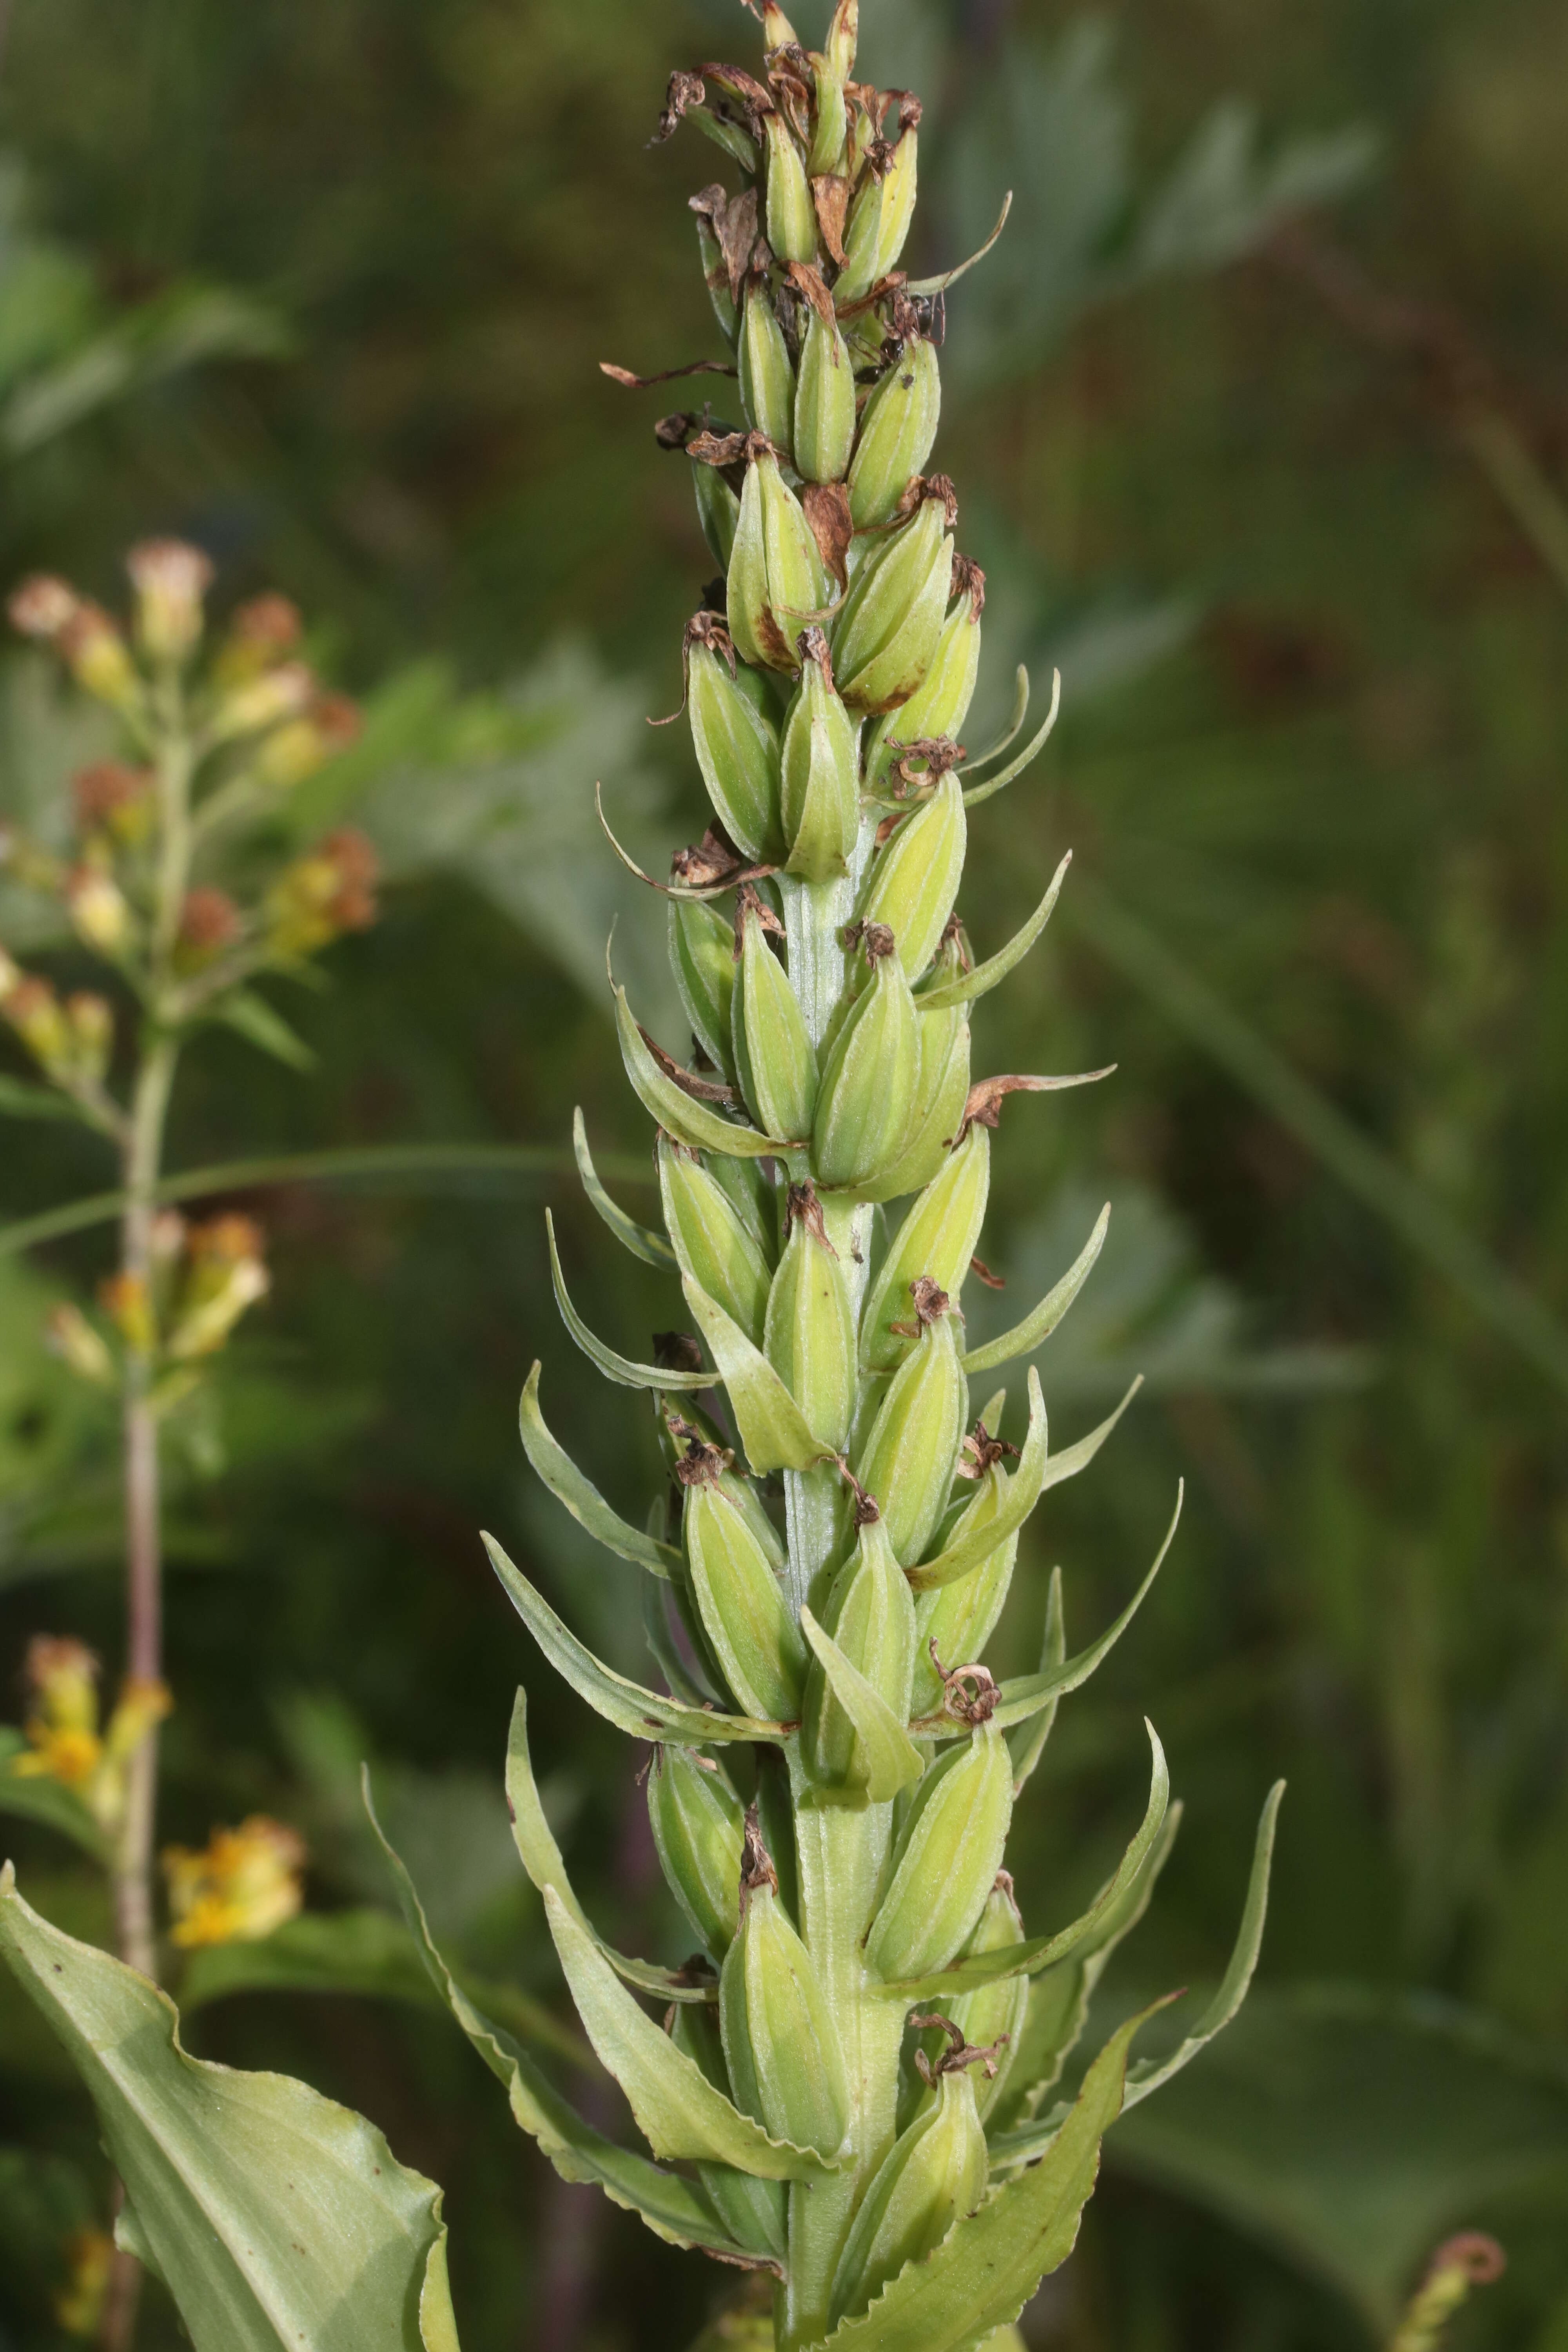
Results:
939 705
946 1859
702 956
736 743
868 1090
790 215
820 770
830 128
754 1637
775 1060
897 429
711 1240
809 1338
934 2173
915 881
936 1238
767 379
777 581
869 1613
910 1450
824 400
885 632
781 2042
697 1822
898 189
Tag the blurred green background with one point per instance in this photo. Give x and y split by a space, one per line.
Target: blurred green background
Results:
1255 415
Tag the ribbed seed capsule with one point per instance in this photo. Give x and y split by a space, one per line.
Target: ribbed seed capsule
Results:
898 191
898 428
819 786
992 2017
775 1060
718 512
870 1612
843 34
702 958
810 1329
888 628
915 876
867 1089
767 379
757 2212
785 2060
712 1241
755 1636
737 749
910 1456
824 403
752 1193
935 2173
942 1094
960 1618
698 1825
776 582
790 214
946 1859
832 124
936 1238
940 704
860 237
686 1436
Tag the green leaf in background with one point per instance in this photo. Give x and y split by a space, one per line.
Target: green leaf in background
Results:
253 1018
274 2217
20 1100
360 1951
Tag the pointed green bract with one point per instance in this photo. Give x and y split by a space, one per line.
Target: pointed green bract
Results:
810 1333
867 1095
908 1459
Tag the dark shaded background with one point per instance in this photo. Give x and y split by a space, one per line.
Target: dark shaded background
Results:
1316 705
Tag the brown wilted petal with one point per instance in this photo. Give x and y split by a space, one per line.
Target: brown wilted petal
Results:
42 607
801 1202
825 506
700 1089
981 1272
666 376
874 938
968 580
830 195
684 93
756 1863
987 1095
269 623
718 449
808 283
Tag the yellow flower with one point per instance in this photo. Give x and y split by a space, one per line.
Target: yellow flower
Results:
243 1884
64 1739
78 2300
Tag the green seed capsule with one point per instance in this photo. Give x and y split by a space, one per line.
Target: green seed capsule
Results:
942 1094
897 431
908 1458
702 958
718 512
870 1612
683 1428
790 215
937 1237
859 274
698 1825
712 1241
774 1058
752 1193
782 2045
810 1330
992 2017
960 1618
899 192
737 749
819 786
755 2212
824 403
887 630
776 582
940 704
914 880
946 1859
831 127
767 379
867 1091
756 1639
935 2173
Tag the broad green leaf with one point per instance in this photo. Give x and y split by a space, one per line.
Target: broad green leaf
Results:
619 1368
1036 1953
251 1017
973 1542
773 1428
541 1859
695 1123
675 2210
988 975
581 1497
1028 1335
1028 1745
38 1798
976 794
989 2264
645 1714
652 1248
275 2217
895 1761
677 2109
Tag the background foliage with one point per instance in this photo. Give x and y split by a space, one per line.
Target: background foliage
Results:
324 288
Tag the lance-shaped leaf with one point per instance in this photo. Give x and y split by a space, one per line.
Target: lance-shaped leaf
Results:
894 1760
1023 1696
275 2217
674 2209
973 1542
541 1859
644 1714
1038 1952
1027 1336
1027 1742
1013 729
652 1248
581 1497
619 1368
695 1123
989 2264
976 794
773 1428
678 2111
994 970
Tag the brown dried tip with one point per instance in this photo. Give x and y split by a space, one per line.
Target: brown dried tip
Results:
101 791
931 1303
981 1272
981 1450
986 1097
271 624
720 450
702 1465
747 902
49 1655
968 580
713 860
700 1089
830 195
952 936
969 1694
734 223
960 2055
756 1863
825 506
42 607
676 1351
801 1202
940 486
874 939
685 91
209 920
810 286
938 753
666 376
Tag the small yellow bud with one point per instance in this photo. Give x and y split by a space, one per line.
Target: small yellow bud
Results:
264 700
62 1731
98 909
141 1705
241 1885
123 1297
78 2300
170 579
99 657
